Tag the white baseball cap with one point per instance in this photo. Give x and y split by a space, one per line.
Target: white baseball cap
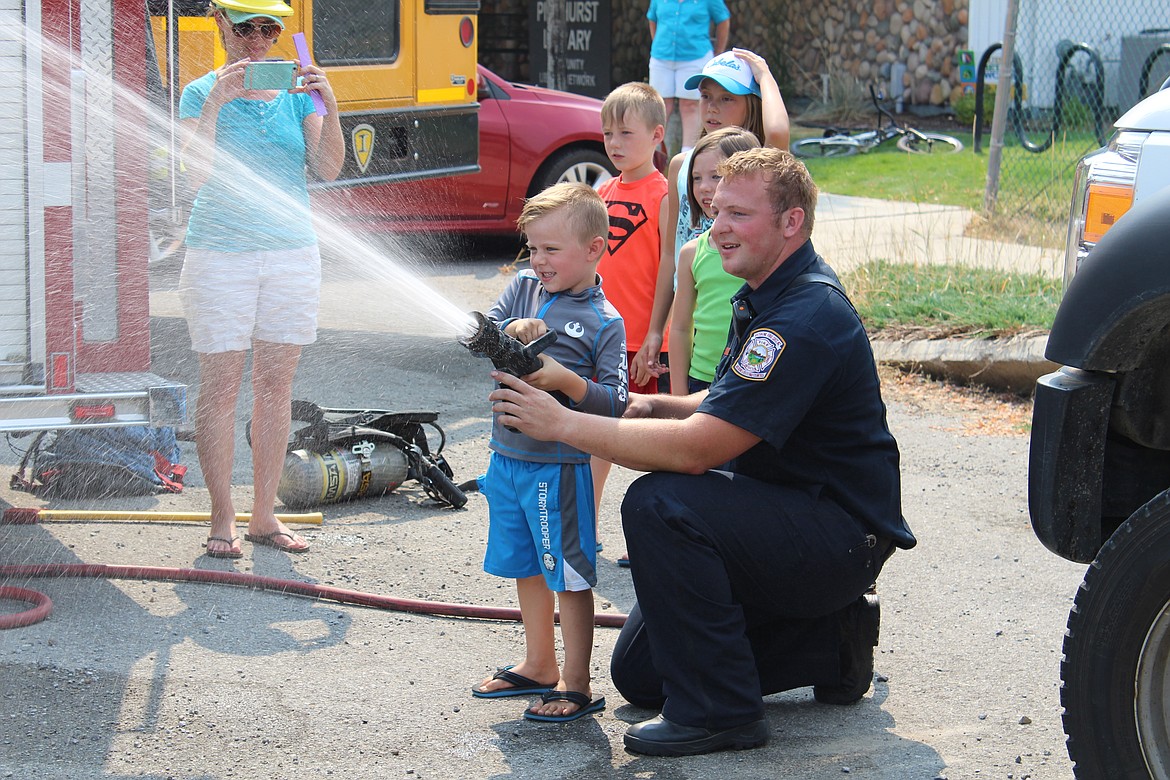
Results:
729 72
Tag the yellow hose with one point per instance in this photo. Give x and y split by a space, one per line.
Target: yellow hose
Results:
309 518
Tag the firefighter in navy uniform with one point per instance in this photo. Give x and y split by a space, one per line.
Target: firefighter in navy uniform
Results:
773 498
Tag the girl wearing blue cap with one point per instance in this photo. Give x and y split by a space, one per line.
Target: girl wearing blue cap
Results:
680 44
252 273
736 89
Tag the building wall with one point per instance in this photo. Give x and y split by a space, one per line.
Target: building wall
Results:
13 201
1122 32
801 39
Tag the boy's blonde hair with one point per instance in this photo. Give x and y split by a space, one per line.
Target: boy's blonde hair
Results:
727 141
637 97
587 214
786 180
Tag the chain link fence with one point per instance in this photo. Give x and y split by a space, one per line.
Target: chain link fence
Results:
1076 68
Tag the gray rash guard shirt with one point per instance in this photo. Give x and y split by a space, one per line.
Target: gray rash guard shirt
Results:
591 342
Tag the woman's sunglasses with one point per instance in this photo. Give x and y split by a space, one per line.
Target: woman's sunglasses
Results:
269 30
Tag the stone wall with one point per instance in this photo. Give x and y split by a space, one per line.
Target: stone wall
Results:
801 39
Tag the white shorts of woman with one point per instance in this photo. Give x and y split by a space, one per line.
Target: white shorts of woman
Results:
669 77
233 298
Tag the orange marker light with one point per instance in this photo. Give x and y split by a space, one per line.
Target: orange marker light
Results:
1106 204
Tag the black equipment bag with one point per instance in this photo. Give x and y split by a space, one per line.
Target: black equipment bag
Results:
101 463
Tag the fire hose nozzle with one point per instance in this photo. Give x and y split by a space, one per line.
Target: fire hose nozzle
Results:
506 353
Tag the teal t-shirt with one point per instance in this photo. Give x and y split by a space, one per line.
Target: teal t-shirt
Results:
682 27
256 197
714 288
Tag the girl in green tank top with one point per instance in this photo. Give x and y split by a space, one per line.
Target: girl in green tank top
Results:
701 314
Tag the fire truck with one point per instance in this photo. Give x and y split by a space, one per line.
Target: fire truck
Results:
91 180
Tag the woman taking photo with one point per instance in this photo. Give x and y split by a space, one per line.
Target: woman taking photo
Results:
252 273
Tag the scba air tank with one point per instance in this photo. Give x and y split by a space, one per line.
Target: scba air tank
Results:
360 470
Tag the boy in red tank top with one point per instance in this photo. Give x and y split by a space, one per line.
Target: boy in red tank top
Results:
633 122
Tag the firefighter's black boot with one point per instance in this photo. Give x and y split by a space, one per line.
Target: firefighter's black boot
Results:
860 622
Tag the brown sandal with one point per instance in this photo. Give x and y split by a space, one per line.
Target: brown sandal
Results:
231 552
270 540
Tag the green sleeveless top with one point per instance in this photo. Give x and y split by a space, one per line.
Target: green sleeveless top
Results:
713 290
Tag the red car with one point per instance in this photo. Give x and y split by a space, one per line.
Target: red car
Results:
529 137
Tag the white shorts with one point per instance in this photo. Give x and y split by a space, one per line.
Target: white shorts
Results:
670 77
231 298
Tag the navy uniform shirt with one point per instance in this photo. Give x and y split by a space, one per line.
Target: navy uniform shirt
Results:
799 373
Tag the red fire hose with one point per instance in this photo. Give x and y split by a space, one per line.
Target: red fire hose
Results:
43 606
42 609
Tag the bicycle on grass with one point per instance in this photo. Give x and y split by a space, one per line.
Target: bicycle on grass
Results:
844 143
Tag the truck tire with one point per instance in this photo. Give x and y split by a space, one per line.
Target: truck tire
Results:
1115 671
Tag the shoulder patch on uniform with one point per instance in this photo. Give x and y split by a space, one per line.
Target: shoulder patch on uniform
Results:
760 352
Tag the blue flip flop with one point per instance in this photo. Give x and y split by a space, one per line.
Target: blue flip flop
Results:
585 706
521 686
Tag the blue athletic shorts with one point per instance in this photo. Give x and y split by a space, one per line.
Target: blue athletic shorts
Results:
540 521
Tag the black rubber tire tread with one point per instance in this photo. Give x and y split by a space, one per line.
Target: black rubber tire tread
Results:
812 148
943 144
1125 589
558 164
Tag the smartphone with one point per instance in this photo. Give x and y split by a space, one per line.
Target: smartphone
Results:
270 74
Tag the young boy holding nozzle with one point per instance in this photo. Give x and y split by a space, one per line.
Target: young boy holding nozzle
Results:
541 528
633 119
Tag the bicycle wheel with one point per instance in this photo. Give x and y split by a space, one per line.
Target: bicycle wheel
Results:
834 146
936 143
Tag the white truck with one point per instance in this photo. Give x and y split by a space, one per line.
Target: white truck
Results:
74 241
1099 469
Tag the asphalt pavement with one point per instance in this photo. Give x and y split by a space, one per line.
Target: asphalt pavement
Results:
141 678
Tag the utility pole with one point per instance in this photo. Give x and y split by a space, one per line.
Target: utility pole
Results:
1002 101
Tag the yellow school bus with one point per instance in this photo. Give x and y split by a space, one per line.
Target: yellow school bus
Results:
404 72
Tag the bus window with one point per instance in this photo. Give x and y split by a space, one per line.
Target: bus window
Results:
356 32
403 71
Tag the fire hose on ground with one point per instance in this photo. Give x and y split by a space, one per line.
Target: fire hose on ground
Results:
43 606
506 353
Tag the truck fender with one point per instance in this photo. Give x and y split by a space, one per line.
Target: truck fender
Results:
1070 420
1118 305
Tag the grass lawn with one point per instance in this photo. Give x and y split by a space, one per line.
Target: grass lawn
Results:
948 300
952 300
890 174
940 301
1034 187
